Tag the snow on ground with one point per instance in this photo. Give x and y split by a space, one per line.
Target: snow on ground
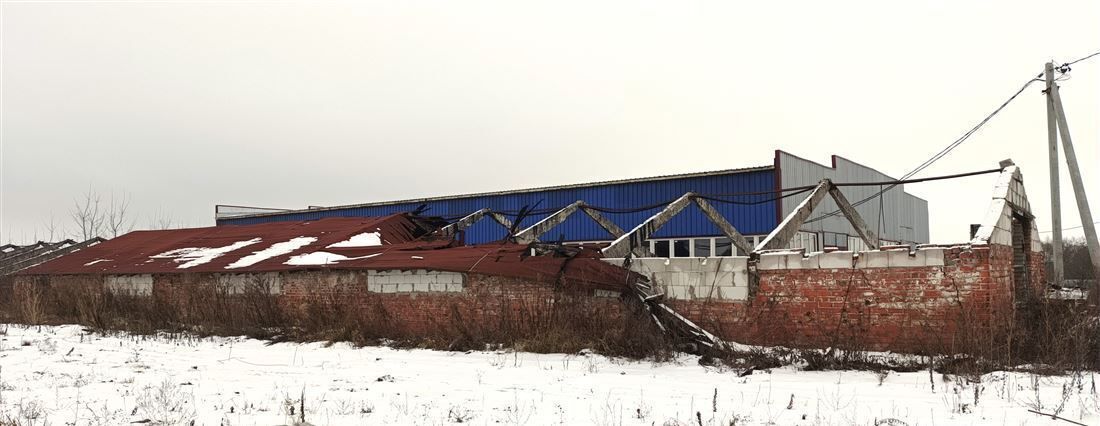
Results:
61 375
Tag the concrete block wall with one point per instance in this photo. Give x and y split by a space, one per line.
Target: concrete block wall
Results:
130 285
696 278
421 281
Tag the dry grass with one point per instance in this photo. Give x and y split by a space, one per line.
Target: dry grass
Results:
1052 336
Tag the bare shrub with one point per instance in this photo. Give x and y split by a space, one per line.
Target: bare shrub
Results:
1056 336
31 302
166 403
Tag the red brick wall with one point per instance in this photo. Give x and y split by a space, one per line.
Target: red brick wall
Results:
487 303
488 306
967 301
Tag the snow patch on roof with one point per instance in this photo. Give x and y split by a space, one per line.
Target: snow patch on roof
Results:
276 249
96 261
321 258
195 256
366 239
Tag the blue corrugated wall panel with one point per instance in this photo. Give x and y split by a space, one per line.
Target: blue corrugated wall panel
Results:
749 219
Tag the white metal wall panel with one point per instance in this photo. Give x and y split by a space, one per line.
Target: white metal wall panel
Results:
902 217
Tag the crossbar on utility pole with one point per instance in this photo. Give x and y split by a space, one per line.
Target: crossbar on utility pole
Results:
1055 195
1078 190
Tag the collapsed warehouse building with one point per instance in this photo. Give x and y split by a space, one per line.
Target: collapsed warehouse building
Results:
417 269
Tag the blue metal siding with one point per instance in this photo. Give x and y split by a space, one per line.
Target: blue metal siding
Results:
749 219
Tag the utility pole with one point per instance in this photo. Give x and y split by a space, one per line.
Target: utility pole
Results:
1078 188
1055 195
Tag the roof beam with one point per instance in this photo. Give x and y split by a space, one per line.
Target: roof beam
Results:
533 232
738 240
865 232
782 234
637 237
471 219
604 222
56 250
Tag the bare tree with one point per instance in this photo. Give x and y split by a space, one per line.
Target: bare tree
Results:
54 230
87 215
117 219
161 220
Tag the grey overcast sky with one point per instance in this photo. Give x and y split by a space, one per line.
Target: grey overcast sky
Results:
186 104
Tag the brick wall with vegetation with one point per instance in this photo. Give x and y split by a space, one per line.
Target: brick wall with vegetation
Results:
967 301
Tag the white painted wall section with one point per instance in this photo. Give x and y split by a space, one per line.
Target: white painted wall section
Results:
415 281
898 258
130 285
696 278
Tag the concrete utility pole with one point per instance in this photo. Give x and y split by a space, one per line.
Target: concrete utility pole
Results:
1078 188
1055 196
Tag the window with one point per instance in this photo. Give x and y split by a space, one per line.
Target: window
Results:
833 239
681 248
660 248
805 240
723 247
702 247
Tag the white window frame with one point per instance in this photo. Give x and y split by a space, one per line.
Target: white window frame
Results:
753 239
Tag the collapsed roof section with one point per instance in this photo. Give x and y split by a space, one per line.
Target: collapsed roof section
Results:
15 258
395 242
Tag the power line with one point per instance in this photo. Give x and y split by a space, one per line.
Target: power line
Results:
939 155
1068 229
1081 59
1064 68
724 198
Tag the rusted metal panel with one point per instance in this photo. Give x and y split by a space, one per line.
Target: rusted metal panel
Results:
143 251
401 248
43 254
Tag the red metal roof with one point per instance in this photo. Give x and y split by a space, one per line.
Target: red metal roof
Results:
245 248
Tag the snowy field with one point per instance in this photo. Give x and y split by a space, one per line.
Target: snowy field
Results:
63 376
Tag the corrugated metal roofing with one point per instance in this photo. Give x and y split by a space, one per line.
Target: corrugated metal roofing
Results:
143 252
418 201
748 219
17 258
227 249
